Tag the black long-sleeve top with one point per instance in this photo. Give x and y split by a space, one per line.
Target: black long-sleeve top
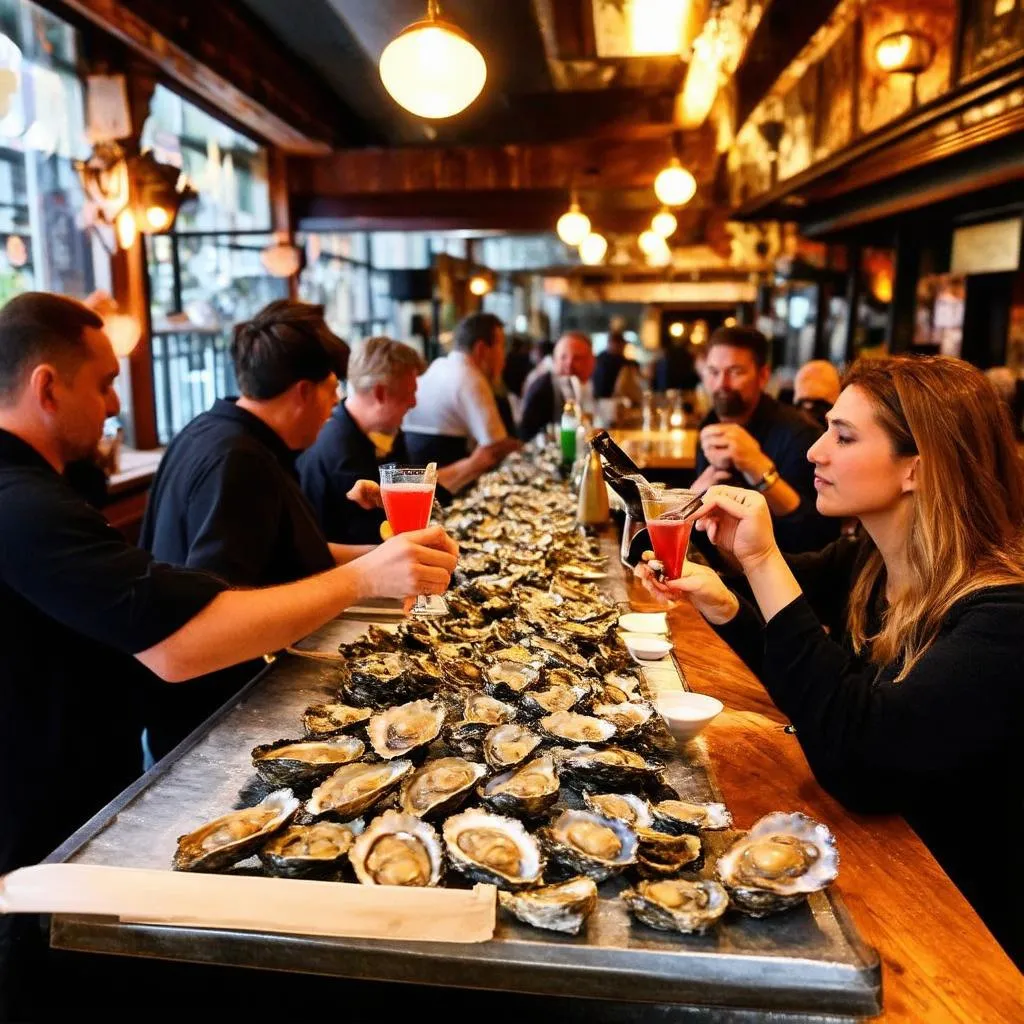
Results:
942 747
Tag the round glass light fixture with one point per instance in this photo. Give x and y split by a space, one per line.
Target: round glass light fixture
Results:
675 185
664 223
479 285
281 258
574 225
432 69
676 329
660 256
122 329
157 217
650 241
593 249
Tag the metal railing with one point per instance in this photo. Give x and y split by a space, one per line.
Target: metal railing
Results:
191 368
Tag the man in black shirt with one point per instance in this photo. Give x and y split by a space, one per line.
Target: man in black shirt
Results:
81 609
750 440
353 444
547 392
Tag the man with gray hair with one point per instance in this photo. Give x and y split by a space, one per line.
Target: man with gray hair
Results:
339 472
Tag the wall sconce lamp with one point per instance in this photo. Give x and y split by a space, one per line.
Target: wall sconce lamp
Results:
905 53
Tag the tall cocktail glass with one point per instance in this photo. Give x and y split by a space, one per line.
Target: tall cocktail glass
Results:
408 496
668 528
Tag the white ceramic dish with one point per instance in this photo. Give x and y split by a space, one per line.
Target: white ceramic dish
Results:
646 648
650 623
686 714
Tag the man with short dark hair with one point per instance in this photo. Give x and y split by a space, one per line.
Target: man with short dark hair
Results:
456 409
750 440
80 606
545 394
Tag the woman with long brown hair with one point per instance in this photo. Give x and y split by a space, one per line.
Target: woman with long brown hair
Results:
911 698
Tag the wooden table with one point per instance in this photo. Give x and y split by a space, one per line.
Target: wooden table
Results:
939 962
659 449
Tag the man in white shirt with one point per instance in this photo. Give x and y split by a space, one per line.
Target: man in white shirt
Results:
456 409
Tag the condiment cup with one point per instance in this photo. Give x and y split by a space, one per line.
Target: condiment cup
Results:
649 623
687 713
646 648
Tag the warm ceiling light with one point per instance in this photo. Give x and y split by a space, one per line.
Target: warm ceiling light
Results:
664 223
122 329
593 249
650 241
479 285
904 52
676 329
656 26
126 228
432 69
281 259
574 225
157 217
659 254
675 185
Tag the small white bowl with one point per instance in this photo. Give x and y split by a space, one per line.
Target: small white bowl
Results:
651 623
646 648
687 713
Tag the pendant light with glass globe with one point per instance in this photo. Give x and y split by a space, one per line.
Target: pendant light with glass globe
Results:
593 249
664 223
432 68
675 185
574 225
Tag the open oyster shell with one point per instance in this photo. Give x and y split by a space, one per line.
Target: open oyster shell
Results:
493 849
381 680
398 849
662 855
634 810
292 762
569 727
676 904
628 717
508 746
612 769
558 908
556 654
540 703
233 837
304 851
440 787
782 859
522 792
356 788
321 720
506 680
400 730
680 816
590 844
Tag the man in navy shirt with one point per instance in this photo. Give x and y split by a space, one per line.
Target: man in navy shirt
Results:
81 610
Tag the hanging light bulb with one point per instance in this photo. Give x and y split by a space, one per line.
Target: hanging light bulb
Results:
479 285
659 255
574 225
281 258
126 228
122 329
664 223
593 249
650 241
675 185
431 68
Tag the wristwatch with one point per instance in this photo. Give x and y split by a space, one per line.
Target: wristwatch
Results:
769 480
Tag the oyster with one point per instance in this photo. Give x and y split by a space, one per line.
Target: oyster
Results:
233 837
405 728
440 786
525 791
301 851
634 810
782 859
356 788
507 680
329 719
398 849
517 655
292 762
558 908
661 855
610 769
565 677
381 680
590 843
628 717
679 816
507 746
462 672
486 712
556 654
581 572
555 698
573 728
677 905
489 848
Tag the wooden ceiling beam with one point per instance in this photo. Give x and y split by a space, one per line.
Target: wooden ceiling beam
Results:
227 60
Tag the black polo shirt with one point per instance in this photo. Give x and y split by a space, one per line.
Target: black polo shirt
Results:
341 455
76 602
226 499
785 435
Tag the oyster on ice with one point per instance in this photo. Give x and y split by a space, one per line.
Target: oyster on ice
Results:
356 788
233 837
781 860
400 730
292 762
610 769
489 848
676 904
525 791
303 851
570 727
590 844
440 786
329 719
507 746
558 908
398 849
680 816
634 810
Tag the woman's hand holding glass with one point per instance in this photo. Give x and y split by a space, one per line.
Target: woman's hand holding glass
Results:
701 584
739 523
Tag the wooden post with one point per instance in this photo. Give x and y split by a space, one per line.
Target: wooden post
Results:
853 285
904 292
280 207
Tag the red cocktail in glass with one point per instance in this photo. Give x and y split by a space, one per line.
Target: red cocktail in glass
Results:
668 528
408 496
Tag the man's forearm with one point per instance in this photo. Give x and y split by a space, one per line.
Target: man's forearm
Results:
459 474
239 625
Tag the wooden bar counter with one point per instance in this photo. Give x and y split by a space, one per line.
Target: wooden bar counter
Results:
939 961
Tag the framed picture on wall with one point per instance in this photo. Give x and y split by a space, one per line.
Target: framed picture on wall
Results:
993 33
